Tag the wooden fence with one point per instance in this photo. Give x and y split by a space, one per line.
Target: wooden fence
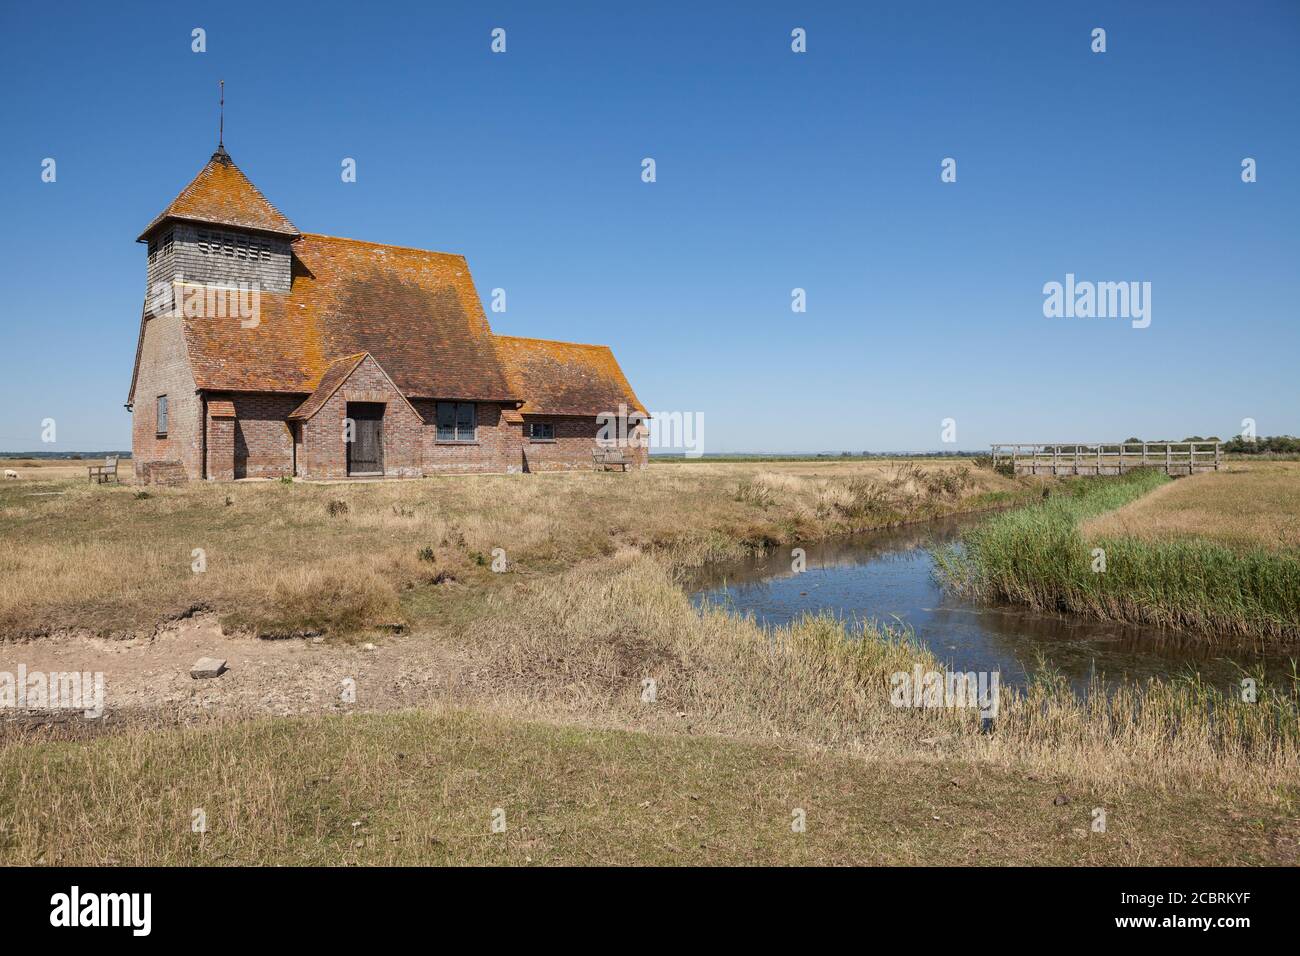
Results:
1109 458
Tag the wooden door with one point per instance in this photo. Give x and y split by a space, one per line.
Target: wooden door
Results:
366 450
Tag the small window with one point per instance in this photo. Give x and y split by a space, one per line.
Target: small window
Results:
162 415
153 250
541 431
457 421
167 244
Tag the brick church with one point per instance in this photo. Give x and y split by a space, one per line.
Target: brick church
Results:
267 352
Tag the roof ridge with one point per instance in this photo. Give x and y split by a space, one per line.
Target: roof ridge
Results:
530 338
382 245
355 355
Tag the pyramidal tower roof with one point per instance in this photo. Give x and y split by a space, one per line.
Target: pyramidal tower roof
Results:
221 194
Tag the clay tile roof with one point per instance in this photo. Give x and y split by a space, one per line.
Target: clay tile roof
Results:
565 378
221 408
222 194
416 312
334 376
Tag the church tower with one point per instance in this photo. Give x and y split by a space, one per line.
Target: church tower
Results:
220 231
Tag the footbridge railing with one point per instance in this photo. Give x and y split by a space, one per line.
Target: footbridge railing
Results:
1108 458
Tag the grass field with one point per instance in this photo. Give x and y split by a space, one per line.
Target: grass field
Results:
422 788
58 469
1213 553
344 558
1247 506
537 677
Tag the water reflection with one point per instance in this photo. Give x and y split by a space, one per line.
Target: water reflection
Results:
889 576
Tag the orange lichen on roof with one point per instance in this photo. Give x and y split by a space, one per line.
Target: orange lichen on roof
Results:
222 194
334 376
416 312
565 378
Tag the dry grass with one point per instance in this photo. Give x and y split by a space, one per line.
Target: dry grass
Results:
104 559
747 723
1247 506
746 726
60 469
579 647
421 787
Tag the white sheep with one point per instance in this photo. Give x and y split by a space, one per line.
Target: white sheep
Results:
10 473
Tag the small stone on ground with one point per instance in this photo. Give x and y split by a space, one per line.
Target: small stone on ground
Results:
206 667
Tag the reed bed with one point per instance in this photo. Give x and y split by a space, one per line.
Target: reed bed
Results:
583 648
1041 557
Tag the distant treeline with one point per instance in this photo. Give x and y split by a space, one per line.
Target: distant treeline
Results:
1276 445
813 456
65 455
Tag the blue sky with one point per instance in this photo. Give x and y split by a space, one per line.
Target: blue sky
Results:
775 170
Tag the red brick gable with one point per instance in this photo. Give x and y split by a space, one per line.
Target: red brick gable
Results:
334 378
222 194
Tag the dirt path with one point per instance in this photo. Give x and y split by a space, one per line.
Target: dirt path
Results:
277 678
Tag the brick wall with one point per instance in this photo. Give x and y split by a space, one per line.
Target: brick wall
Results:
498 444
165 370
167 473
263 441
575 437
298 449
640 453
260 441
574 440
220 447
323 453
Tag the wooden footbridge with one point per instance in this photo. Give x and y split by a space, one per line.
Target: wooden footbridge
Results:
1174 458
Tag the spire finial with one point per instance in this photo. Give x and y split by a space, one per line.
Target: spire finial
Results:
221 156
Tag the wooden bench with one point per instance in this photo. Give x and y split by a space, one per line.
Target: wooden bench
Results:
604 458
102 473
